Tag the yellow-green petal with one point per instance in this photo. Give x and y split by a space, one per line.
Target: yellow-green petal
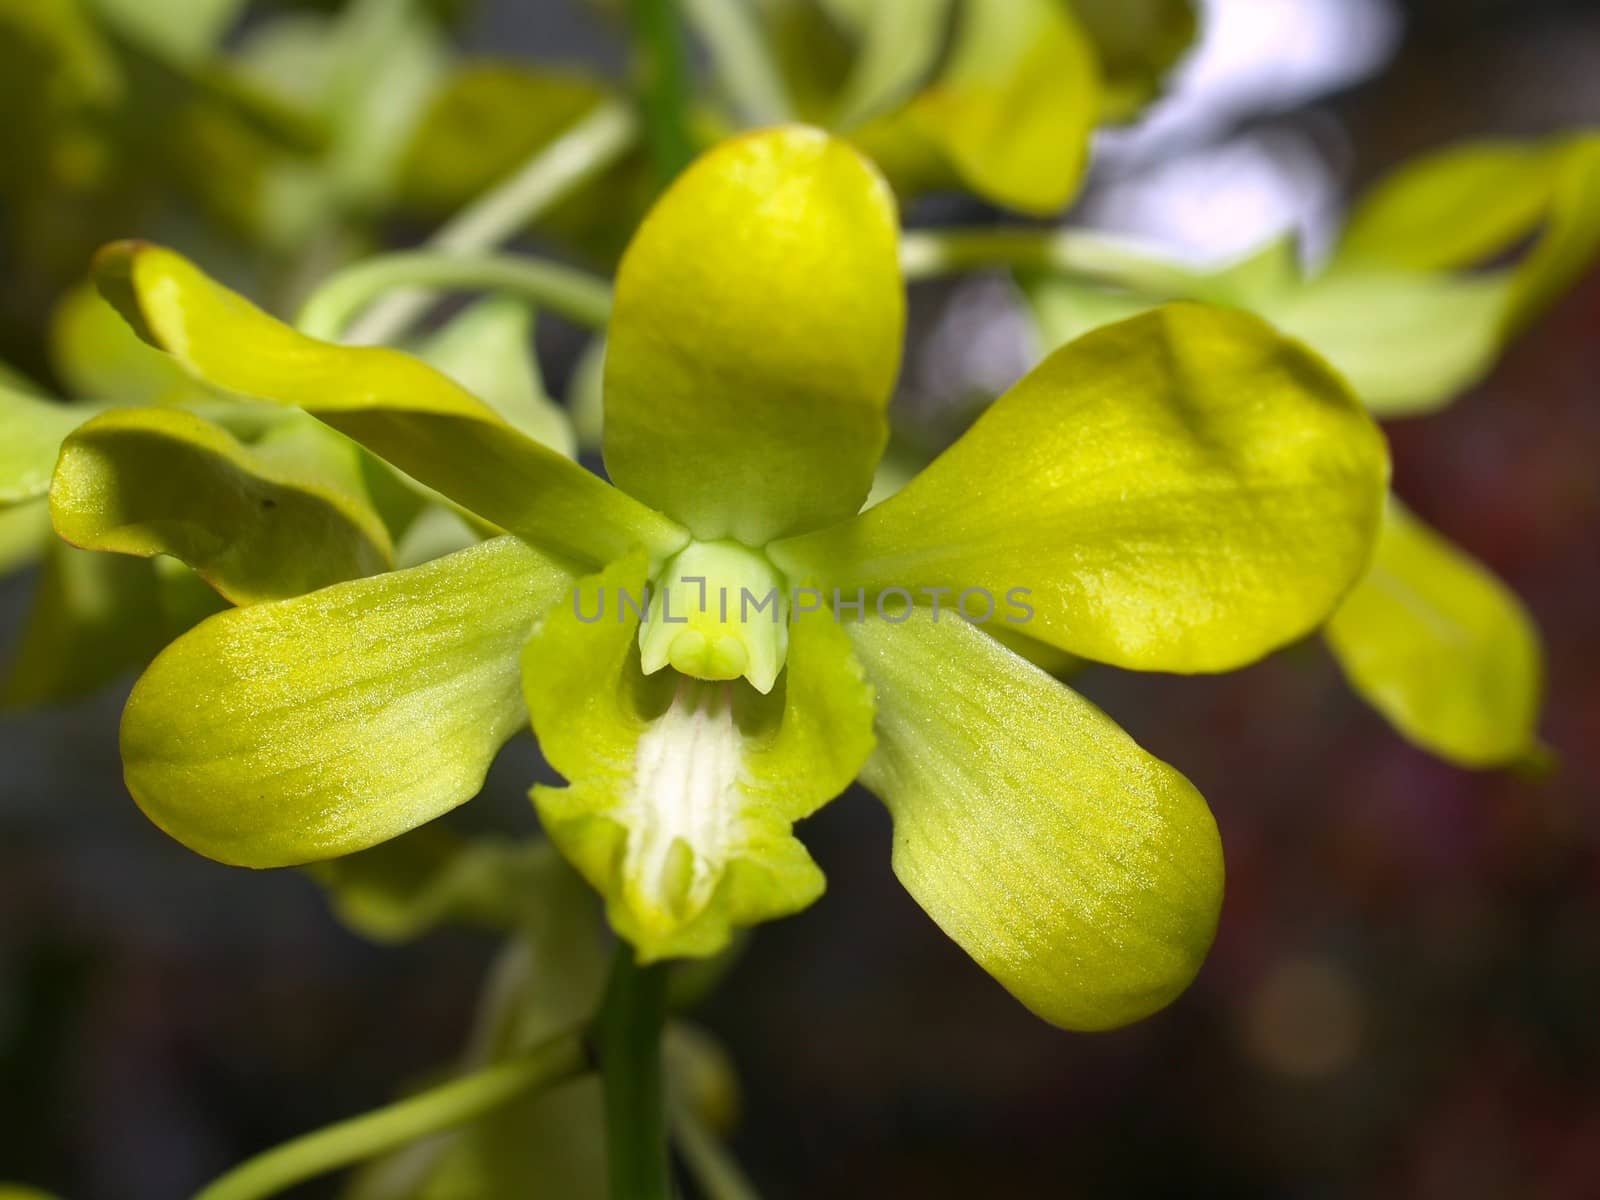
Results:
1408 342
149 481
397 406
756 337
1466 204
1451 208
1183 491
1570 241
300 730
31 432
99 358
1082 873
682 793
1013 109
432 876
1064 309
1441 648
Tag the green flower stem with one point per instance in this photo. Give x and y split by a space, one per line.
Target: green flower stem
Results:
577 156
662 71
575 294
628 1046
744 65
931 253
444 1107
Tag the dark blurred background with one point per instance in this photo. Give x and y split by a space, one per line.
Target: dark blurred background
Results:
1402 1000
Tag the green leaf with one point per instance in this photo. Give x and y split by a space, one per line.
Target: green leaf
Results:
1183 491
303 729
755 339
1441 648
395 405
685 856
149 481
488 349
99 358
1451 208
1012 111
1407 342
31 432
1136 42
1079 871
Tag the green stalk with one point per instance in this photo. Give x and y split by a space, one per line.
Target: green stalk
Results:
574 294
444 1107
628 1046
731 31
931 253
577 156
662 70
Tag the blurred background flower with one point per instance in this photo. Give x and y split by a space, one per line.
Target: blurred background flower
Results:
1401 1001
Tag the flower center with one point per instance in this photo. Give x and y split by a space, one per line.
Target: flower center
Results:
718 610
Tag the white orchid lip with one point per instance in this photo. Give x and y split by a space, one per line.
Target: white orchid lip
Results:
718 611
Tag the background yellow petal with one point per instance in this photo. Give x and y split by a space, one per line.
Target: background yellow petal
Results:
1441 648
149 481
1014 107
